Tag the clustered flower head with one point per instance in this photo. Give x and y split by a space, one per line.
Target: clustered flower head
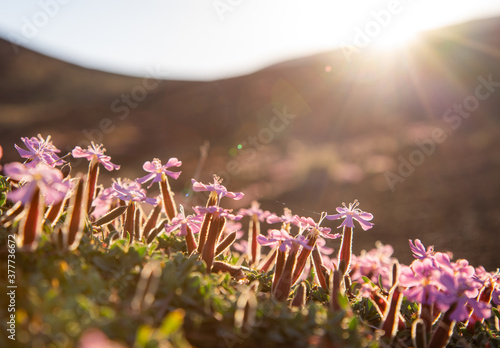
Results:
432 279
456 290
95 152
39 150
374 264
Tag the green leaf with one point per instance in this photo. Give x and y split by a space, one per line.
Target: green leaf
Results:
496 312
3 199
142 251
172 322
119 243
144 334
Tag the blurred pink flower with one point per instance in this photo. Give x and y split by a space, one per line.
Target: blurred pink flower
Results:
421 280
95 338
283 239
307 223
461 290
131 191
103 202
97 152
182 222
352 213
374 264
233 226
49 180
156 170
241 246
216 187
220 211
255 210
40 150
418 249
286 218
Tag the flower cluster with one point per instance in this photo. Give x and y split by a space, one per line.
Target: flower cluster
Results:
432 279
297 265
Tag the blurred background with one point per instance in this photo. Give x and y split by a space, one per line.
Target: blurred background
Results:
393 103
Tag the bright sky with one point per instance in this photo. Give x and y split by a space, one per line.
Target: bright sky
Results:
211 39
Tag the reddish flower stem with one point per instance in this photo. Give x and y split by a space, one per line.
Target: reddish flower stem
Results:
54 212
167 198
32 221
282 290
442 333
226 243
254 231
76 215
391 316
208 252
190 241
266 264
304 254
93 174
484 296
278 269
335 290
151 221
345 250
128 225
202 236
318 266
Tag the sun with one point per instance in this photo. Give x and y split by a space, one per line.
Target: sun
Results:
396 36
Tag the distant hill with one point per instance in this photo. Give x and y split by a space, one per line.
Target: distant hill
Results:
308 133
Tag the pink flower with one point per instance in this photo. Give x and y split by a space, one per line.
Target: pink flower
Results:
325 253
307 223
352 213
103 202
283 239
97 152
461 290
374 264
241 246
255 210
39 151
220 211
182 222
421 280
49 180
419 251
156 170
286 218
232 226
216 187
131 191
